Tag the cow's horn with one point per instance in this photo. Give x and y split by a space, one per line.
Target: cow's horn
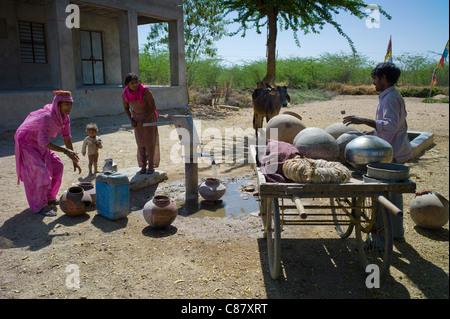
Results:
290 81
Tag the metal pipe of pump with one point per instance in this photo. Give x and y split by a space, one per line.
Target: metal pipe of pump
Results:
189 139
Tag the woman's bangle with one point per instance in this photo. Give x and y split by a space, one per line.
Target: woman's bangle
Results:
65 151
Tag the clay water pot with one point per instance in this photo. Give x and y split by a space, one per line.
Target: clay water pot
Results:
429 210
315 143
160 212
75 201
287 126
337 129
90 189
211 189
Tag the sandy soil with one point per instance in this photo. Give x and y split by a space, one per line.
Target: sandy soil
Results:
211 257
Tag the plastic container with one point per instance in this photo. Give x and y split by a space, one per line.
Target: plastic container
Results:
113 195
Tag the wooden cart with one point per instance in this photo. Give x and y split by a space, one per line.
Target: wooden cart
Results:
351 206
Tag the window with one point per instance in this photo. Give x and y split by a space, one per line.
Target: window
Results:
32 42
92 58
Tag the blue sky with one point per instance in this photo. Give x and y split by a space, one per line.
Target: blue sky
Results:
417 27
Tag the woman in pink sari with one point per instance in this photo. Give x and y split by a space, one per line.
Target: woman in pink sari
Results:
37 165
140 98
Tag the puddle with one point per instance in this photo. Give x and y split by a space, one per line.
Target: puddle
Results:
236 202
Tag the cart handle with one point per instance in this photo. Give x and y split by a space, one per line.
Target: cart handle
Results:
391 207
300 207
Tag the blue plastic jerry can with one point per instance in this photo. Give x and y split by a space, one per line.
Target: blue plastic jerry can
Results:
113 195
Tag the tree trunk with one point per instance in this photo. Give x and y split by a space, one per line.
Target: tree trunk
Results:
271 45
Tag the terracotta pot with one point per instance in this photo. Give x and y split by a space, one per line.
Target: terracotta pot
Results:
90 189
75 201
337 129
429 210
160 212
211 189
287 126
315 143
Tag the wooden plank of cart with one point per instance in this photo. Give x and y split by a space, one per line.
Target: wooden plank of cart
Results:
350 206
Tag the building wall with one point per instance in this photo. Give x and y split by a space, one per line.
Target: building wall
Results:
25 87
15 75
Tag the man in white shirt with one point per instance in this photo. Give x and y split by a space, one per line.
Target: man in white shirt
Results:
389 124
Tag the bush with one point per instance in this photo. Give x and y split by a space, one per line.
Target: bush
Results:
341 73
419 91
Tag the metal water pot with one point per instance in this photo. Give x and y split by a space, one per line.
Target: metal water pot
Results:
109 166
368 149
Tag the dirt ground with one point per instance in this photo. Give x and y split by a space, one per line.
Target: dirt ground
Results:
211 257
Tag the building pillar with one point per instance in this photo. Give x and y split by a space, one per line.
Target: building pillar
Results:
177 56
60 45
129 43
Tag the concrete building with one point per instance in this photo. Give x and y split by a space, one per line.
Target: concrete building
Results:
42 48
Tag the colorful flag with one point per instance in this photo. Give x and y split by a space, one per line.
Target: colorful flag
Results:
444 56
388 56
440 63
433 78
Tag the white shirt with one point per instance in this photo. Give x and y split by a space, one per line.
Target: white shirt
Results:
92 144
391 124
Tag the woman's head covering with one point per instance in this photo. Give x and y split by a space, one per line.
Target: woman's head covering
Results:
48 118
63 96
60 96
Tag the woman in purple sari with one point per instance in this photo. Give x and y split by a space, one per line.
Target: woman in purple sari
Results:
140 98
37 165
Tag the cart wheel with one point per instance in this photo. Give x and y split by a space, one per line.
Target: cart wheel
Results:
343 224
374 236
273 235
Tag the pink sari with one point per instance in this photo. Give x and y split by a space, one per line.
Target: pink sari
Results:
39 168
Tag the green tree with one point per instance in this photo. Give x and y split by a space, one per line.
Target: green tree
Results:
204 24
305 15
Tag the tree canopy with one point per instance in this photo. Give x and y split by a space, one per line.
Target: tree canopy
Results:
204 24
299 15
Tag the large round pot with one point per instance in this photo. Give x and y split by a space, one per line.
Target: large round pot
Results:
211 189
343 140
368 149
160 212
90 189
315 143
287 127
337 129
429 210
75 201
